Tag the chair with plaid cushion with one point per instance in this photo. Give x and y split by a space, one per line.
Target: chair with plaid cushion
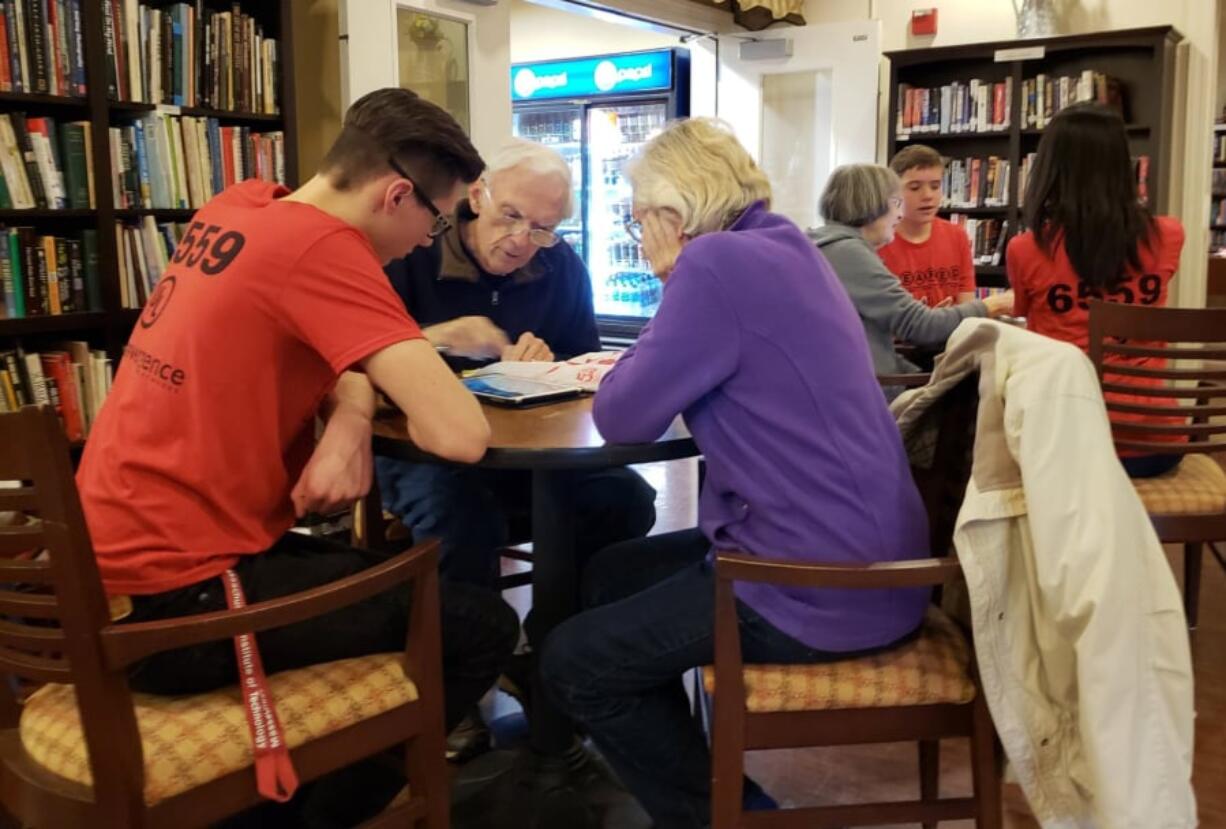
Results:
922 692
80 749
1188 504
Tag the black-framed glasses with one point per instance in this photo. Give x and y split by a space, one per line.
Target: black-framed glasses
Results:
634 228
442 224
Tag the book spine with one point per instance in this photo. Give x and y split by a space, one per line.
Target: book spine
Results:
48 274
13 365
26 148
89 262
36 34
7 284
78 49
64 271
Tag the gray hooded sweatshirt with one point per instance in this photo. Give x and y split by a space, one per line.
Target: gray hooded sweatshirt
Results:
887 310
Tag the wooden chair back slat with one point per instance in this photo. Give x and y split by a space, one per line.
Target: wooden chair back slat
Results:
28 605
1173 352
1194 412
18 499
31 637
22 538
1154 447
1198 393
1182 374
26 571
1193 430
37 668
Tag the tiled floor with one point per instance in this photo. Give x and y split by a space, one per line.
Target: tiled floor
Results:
815 776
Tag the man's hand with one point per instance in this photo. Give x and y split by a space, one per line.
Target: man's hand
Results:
999 304
340 468
475 337
528 349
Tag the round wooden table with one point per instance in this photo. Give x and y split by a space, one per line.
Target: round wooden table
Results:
552 441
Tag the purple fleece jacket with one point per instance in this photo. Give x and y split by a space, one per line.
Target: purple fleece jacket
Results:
757 345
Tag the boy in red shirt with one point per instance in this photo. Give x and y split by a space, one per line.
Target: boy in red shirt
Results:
275 308
930 256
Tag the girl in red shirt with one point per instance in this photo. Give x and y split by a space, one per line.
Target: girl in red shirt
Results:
1092 237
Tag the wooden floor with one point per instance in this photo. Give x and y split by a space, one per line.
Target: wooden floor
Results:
817 776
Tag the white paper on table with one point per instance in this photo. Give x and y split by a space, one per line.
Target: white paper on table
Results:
585 371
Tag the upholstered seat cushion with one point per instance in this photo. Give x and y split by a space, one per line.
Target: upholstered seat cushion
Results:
191 740
932 668
1197 485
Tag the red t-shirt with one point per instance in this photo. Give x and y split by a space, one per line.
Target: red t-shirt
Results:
933 270
1053 299
211 417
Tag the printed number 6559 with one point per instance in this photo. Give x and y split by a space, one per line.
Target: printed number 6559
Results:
203 246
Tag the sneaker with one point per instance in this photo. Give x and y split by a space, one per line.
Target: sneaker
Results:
468 739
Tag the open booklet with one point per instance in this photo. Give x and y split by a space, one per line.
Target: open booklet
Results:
583 372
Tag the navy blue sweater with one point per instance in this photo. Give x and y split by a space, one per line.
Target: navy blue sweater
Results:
551 296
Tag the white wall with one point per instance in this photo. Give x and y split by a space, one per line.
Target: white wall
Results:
543 33
974 21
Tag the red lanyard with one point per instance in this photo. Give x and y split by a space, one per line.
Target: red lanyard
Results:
274 772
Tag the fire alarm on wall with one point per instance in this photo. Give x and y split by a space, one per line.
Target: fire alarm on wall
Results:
924 22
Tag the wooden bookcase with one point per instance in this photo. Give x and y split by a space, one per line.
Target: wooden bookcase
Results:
109 328
1142 59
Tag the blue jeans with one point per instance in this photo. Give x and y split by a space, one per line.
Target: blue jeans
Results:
476 511
616 668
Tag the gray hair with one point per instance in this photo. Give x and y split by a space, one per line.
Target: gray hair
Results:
858 194
535 158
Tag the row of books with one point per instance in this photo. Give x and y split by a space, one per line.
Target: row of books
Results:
73 379
988 237
972 106
165 161
1217 212
45 164
48 275
984 293
1219 148
976 182
1219 182
144 249
186 55
42 47
1217 241
1043 95
1140 170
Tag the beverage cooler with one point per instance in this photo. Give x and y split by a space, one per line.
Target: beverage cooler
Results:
598 112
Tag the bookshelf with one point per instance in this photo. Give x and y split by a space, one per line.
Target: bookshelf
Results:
1142 60
107 323
1217 196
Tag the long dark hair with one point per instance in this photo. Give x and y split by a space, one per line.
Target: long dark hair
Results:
1082 186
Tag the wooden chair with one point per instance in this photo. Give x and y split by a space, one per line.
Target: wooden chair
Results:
922 691
1188 504
80 749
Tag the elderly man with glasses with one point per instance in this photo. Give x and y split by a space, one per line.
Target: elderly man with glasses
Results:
499 283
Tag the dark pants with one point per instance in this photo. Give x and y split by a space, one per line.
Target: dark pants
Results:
479 632
475 511
617 667
1149 466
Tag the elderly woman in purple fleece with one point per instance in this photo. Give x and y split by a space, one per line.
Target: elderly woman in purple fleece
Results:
758 347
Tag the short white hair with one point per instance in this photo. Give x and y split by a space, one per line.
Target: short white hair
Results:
697 169
517 153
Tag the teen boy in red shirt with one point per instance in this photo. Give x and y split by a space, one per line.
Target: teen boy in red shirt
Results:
275 308
930 256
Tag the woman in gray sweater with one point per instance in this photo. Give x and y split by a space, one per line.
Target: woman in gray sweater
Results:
861 205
